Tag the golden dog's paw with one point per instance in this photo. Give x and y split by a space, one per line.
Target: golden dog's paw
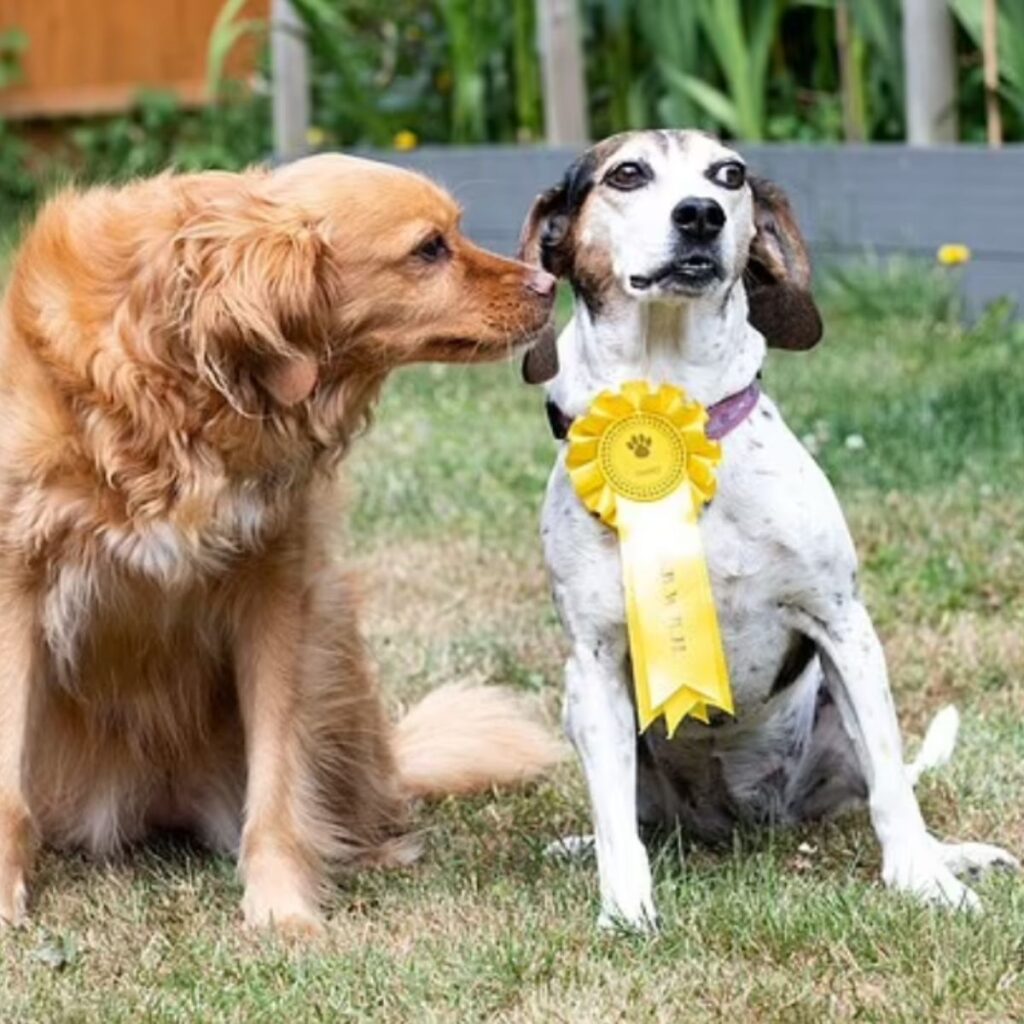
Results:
13 897
17 849
291 921
277 899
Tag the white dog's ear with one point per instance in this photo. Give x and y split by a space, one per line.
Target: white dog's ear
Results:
540 364
778 274
547 239
544 241
544 237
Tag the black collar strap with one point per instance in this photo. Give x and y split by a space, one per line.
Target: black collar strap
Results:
559 421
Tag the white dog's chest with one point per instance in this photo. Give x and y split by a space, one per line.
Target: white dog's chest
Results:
772 533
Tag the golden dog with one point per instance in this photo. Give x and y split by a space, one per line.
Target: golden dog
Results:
182 360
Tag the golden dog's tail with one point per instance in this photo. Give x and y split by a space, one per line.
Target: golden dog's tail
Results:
462 739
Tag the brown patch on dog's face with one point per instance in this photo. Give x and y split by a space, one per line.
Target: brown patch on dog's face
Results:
552 237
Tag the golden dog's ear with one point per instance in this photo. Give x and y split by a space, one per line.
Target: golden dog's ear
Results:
778 274
255 308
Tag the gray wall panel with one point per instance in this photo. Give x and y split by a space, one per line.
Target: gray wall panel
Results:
849 199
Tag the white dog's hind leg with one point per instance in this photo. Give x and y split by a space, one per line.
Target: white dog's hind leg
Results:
912 860
600 722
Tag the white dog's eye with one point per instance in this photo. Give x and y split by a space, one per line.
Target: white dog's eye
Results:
628 176
729 174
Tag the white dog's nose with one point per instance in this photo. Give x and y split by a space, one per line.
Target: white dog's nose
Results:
699 219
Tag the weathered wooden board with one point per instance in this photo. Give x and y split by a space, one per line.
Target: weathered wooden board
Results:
94 56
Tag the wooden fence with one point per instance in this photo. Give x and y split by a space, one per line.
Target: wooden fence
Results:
94 56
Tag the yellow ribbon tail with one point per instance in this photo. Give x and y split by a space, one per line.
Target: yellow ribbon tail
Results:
678 661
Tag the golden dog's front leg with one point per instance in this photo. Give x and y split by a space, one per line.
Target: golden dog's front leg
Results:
17 832
281 871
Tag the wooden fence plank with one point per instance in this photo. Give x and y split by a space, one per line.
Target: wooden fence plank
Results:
88 57
565 87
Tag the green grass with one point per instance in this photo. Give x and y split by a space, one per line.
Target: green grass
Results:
789 926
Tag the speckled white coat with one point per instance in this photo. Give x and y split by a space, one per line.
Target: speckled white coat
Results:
782 564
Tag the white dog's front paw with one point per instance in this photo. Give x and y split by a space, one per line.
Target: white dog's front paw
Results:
975 859
641 918
920 870
627 901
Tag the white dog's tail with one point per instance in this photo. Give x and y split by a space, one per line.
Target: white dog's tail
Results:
462 739
937 746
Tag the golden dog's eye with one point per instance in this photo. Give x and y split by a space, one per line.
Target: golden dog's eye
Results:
729 174
628 176
433 249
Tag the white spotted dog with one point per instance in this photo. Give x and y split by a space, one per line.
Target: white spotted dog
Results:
662 236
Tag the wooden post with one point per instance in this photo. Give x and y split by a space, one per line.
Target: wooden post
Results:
565 89
990 52
930 73
290 62
853 108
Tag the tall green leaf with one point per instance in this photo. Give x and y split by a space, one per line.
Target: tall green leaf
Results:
712 101
742 51
671 31
229 28
970 14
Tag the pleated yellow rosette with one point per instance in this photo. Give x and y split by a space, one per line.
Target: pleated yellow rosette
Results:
641 460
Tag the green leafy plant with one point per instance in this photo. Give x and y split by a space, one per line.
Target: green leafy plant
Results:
376 74
13 44
157 133
904 287
880 64
741 40
671 31
230 28
475 38
18 185
1011 43
527 72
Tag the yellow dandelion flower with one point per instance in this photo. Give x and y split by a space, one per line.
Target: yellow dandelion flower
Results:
953 254
405 140
315 137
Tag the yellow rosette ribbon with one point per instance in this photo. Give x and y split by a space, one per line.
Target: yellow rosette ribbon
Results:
642 461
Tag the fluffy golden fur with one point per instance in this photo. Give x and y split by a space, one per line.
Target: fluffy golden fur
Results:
182 362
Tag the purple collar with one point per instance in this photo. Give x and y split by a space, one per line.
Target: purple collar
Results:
723 417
